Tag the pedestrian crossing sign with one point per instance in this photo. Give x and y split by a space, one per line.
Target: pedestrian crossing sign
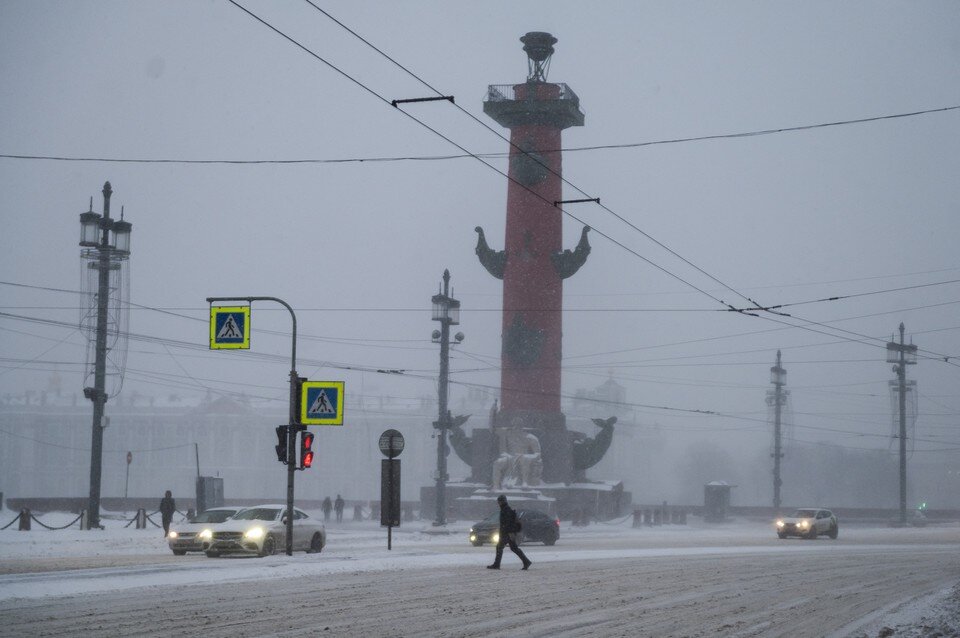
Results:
229 327
321 403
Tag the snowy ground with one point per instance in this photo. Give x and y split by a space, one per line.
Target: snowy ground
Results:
64 566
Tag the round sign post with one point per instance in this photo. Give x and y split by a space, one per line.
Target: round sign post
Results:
391 445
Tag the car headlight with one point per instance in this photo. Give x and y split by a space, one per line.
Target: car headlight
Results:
495 538
473 538
206 534
804 524
779 523
253 533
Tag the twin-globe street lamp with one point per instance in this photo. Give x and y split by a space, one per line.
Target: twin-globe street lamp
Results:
105 243
446 310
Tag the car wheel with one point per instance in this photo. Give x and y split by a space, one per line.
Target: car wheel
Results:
834 531
269 547
781 535
812 534
477 543
212 553
316 544
179 552
550 539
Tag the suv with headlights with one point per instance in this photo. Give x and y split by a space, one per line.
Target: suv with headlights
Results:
808 522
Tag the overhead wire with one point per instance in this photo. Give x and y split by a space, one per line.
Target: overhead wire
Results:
748 311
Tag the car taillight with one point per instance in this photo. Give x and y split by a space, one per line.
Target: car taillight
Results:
557 522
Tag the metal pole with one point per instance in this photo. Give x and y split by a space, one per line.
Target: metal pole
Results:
196 451
293 425
902 377
444 415
777 454
99 396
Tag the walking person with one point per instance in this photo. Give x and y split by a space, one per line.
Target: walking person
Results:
326 507
509 526
167 508
338 508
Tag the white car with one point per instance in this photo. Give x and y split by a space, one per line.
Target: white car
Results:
262 530
808 522
183 537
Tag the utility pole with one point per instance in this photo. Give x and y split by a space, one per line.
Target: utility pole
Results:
105 243
902 355
778 377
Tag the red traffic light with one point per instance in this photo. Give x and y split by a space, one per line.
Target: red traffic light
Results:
306 452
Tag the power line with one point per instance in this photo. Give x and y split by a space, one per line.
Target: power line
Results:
747 311
429 158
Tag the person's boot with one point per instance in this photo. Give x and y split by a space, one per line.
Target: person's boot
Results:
526 564
493 566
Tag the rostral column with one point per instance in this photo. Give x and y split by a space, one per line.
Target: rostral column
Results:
534 264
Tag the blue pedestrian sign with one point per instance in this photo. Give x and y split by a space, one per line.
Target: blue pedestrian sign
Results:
321 403
229 327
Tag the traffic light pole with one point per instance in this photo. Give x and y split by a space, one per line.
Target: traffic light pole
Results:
293 425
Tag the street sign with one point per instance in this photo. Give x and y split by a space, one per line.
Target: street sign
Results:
321 403
230 327
391 443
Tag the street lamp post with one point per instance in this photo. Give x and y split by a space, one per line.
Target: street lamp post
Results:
105 242
446 310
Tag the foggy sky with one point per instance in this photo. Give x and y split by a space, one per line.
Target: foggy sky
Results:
358 248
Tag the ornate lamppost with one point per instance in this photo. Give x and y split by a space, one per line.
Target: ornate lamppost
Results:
446 310
105 242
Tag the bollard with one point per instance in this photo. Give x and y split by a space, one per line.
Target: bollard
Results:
636 518
646 518
84 520
408 512
24 520
357 513
141 518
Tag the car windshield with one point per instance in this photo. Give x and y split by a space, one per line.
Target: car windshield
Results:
213 516
804 513
257 514
493 518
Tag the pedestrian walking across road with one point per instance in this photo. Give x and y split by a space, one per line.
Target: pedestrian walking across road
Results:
167 508
509 527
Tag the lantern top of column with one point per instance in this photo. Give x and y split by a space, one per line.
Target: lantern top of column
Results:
539 48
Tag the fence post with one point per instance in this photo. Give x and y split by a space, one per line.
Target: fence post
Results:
141 518
25 520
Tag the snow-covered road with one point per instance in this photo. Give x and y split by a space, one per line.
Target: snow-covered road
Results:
730 580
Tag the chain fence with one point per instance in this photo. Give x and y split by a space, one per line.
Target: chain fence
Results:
19 517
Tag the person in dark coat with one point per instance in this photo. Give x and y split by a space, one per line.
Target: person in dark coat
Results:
326 507
509 526
338 508
167 508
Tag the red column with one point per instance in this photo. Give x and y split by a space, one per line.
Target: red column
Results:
532 289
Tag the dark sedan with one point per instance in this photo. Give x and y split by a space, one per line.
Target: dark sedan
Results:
535 526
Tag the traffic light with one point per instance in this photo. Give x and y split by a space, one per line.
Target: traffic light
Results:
282 443
306 453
